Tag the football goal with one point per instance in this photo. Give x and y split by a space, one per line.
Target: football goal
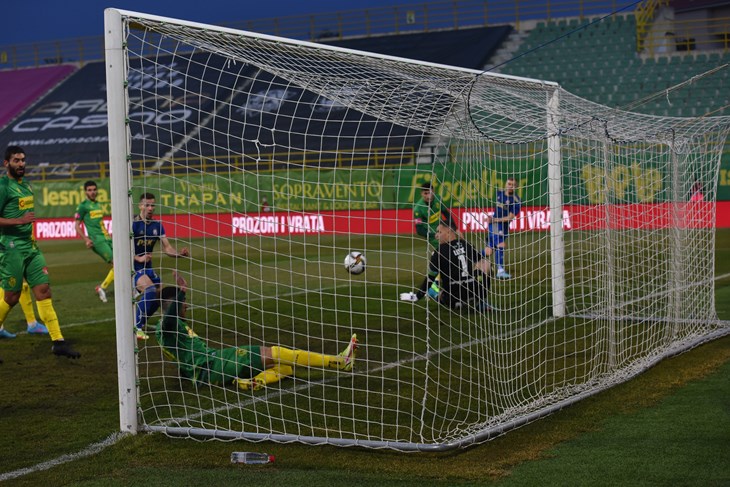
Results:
276 162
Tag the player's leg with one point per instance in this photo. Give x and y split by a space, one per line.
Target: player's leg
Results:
246 366
37 276
108 279
483 283
146 282
103 248
11 281
3 332
294 357
26 304
266 377
491 244
499 261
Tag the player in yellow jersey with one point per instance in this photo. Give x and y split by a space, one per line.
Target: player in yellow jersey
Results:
96 238
20 257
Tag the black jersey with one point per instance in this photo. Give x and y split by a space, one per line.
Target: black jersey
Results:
454 262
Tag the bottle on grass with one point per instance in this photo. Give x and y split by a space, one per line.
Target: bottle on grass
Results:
251 457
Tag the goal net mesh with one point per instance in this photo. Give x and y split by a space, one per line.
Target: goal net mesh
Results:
272 159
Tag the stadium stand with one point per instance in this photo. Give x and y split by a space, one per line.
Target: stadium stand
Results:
466 48
599 62
23 87
69 127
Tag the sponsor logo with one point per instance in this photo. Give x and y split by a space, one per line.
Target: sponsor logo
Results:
277 224
532 219
55 229
25 203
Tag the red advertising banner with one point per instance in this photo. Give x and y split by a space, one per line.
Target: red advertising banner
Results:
392 222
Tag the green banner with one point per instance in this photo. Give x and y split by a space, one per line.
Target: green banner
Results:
458 185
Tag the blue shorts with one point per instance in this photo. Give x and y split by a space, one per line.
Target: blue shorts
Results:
494 239
149 273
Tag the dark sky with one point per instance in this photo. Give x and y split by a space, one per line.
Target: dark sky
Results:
26 21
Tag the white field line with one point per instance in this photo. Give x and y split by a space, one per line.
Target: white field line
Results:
92 449
95 448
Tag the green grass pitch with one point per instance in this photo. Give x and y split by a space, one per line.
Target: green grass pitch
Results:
65 406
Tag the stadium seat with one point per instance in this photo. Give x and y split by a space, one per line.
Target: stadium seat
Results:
601 60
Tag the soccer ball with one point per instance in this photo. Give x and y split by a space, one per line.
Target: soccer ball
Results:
355 263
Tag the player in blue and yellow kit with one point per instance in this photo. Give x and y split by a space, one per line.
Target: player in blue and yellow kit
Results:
20 257
146 233
506 208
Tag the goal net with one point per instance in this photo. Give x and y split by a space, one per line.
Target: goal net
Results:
272 160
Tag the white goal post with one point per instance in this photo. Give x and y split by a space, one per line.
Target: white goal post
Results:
272 159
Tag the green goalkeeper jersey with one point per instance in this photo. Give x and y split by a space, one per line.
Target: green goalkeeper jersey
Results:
92 215
16 199
181 344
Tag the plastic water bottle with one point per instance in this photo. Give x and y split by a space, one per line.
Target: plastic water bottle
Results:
251 457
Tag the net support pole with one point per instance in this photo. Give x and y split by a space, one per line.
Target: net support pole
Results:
555 189
121 222
678 250
610 272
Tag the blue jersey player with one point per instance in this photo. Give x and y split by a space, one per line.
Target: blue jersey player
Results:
507 207
147 232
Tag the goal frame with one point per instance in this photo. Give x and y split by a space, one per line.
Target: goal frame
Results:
122 210
119 141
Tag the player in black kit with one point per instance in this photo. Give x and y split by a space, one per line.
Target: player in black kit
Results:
464 273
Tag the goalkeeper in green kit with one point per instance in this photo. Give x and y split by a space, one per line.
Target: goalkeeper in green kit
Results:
91 213
250 367
20 257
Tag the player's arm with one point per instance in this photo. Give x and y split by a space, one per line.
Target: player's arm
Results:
28 217
143 258
508 218
170 251
431 275
427 281
422 228
79 230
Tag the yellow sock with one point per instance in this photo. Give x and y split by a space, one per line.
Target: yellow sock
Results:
109 279
268 376
274 374
26 303
4 308
307 359
48 316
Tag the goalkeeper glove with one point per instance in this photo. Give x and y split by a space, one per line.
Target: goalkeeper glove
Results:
410 296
